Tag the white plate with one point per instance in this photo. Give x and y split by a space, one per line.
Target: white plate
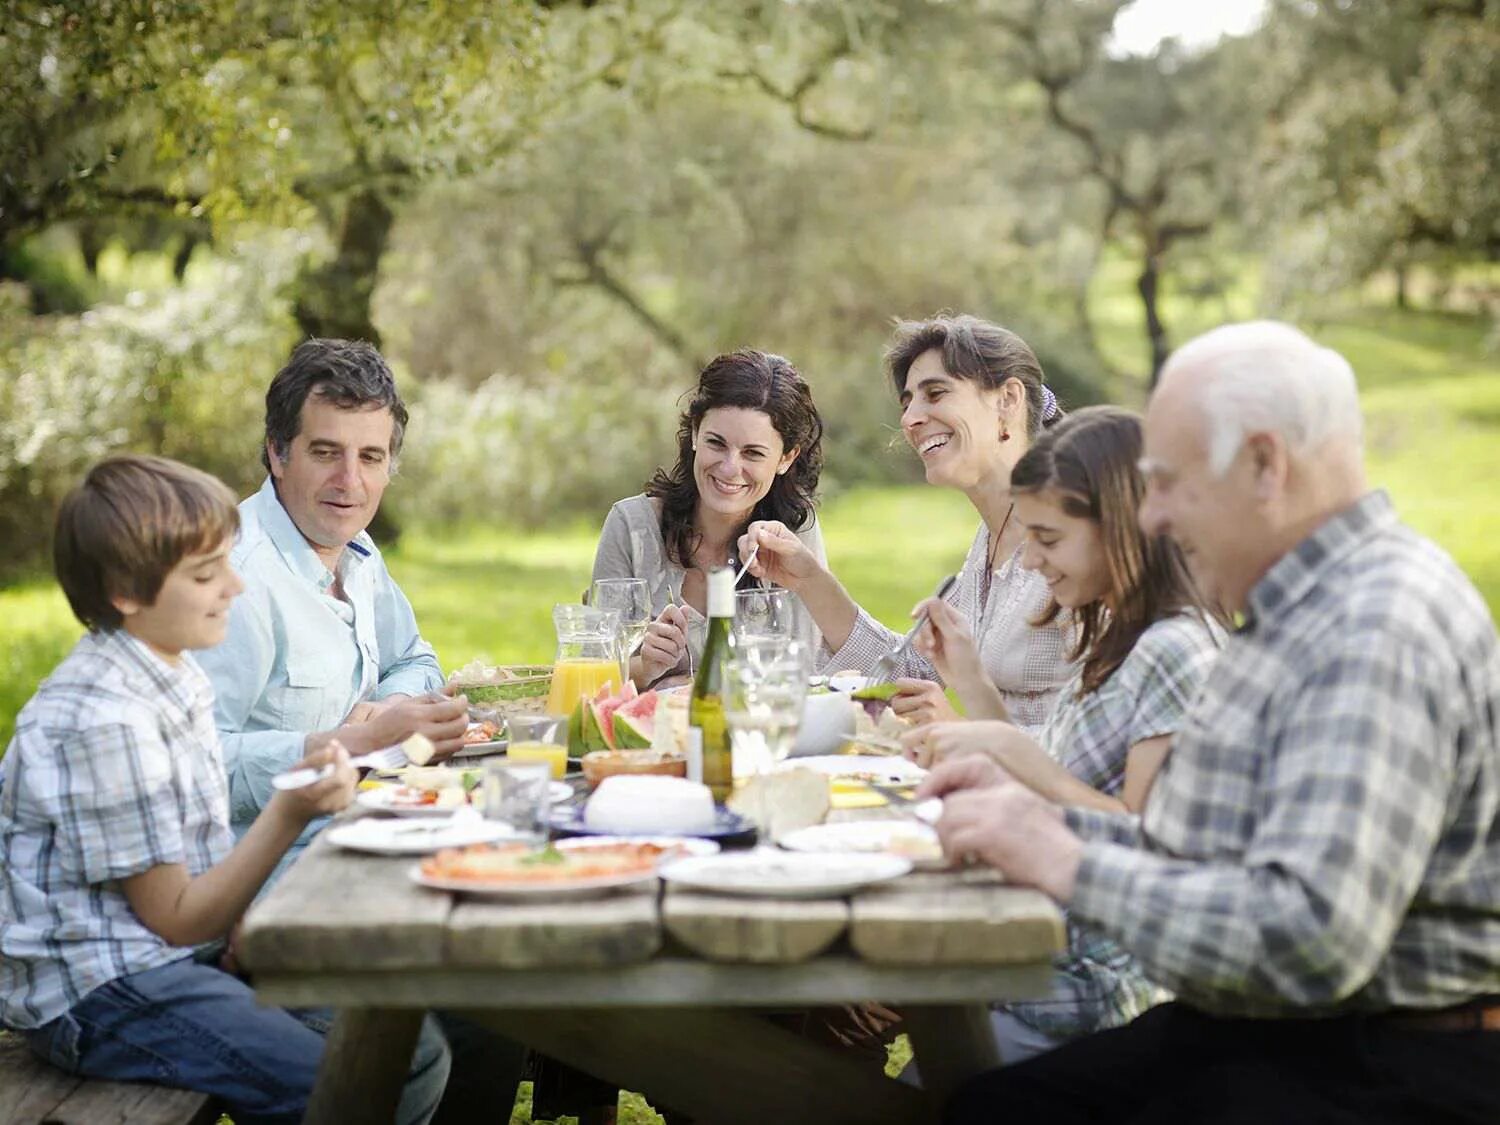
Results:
886 770
379 800
768 873
871 837
584 888
379 836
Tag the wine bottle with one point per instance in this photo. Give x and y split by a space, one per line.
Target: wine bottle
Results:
709 732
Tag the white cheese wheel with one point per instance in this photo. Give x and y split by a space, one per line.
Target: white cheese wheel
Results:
627 805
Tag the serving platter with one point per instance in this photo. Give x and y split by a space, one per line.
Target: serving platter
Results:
902 838
390 799
727 826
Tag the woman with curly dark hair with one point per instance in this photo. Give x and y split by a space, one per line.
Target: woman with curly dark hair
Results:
749 447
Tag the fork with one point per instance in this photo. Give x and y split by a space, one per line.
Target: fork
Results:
887 663
750 558
392 757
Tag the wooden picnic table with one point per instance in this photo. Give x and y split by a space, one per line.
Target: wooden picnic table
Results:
662 992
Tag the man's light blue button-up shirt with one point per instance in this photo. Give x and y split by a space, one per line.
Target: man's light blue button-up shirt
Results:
297 659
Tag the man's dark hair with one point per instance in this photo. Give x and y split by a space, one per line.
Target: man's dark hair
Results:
351 374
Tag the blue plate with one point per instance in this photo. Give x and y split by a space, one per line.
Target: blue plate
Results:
568 820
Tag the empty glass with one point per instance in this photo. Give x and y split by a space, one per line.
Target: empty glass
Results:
765 685
631 599
765 611
515 794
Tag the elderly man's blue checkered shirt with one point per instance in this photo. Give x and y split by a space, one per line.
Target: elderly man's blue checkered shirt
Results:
1324 836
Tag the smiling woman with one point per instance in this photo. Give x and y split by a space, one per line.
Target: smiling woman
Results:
972 399
749 447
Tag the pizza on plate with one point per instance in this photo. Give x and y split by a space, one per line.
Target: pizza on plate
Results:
565 862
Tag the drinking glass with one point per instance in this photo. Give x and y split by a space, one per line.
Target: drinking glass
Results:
515 794
631 599
539 738
765 611
765 685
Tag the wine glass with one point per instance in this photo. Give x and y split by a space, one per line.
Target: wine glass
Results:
630 598
765 611
765 685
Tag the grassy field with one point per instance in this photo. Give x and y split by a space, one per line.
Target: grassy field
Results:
1432 400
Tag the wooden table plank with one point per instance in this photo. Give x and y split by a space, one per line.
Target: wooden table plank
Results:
942 918
662 982
730 1068
335 908
761 931
614 930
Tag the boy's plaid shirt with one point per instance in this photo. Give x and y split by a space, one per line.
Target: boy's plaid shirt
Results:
115 768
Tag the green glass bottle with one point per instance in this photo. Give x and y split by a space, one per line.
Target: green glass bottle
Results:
710 732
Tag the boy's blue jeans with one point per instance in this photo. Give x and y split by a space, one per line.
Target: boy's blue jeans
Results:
196 1027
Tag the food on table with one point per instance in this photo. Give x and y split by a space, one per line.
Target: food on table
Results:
579 679
552 754
626 720
911 840
435 786
418 749
629 805
884 724
778 803
633 724
883 693
565 862
487 686
599 764
487 730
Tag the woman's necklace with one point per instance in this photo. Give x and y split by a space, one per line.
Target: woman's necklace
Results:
989 561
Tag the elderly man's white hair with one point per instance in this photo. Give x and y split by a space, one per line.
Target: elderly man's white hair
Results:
1267 377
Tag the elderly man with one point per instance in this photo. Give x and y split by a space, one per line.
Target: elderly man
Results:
323 642
1317 872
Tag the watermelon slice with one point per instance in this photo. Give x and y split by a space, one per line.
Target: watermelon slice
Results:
635 722
598 717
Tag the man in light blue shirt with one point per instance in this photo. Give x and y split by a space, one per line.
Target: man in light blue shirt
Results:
322 643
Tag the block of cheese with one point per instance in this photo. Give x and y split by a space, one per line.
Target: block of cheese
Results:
645 804
419 749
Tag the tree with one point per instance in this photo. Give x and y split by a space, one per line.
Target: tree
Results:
1155 136
1382 137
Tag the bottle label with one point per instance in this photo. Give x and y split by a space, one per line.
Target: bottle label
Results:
721 592
694 754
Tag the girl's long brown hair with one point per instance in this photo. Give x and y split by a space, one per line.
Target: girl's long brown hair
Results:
1090 459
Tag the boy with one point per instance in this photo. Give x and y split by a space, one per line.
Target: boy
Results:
116 857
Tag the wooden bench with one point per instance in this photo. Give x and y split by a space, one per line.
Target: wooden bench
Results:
33 1093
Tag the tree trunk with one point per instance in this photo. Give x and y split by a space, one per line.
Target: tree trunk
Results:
1401 279
334 300
1148 284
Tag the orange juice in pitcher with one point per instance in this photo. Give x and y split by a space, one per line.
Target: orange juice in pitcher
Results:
588 655
574 678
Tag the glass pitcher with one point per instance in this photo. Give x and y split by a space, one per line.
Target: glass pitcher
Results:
588 655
